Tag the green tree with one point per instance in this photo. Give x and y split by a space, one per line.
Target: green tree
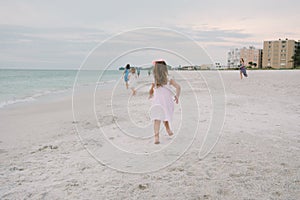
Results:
250 64
296 57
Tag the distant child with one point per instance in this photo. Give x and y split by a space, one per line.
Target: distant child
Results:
132 77
125 74
243 69
163 98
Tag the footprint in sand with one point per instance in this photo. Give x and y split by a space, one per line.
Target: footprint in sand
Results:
16 169
45 147
2 151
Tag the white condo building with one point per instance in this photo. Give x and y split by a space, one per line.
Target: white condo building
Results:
233 60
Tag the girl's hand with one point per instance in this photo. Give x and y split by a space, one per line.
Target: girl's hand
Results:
150 94
151 91
176 99
178 89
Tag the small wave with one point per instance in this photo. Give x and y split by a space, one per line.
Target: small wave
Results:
97 83
40 94
105 82
11 102
31 98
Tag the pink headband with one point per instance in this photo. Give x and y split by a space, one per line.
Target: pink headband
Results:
159 60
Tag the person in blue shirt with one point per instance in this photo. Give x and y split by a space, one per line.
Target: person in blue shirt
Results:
125 74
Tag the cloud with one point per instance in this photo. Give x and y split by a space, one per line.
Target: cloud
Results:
208 34
64 31
66 47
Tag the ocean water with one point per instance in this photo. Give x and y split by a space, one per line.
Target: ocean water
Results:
17 86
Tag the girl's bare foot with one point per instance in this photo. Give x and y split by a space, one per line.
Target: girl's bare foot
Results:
133 92
170 133
156 138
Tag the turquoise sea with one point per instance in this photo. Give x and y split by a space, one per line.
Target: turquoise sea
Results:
18 86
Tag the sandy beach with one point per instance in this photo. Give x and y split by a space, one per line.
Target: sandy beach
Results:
102 145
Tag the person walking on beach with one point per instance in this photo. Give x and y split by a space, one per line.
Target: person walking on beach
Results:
162 98
138 71
132 77
243 69
125 75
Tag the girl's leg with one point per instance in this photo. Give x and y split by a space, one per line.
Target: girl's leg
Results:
166 123
133 91
245 74
126 84
241 74
156 131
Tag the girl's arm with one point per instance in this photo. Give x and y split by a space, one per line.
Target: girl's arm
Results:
151 91
178 89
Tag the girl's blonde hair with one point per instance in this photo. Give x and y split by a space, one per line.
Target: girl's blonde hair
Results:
160 73
132 69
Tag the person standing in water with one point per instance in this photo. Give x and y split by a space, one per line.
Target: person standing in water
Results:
138 69
162 98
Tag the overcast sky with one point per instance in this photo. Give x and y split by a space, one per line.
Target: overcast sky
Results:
59 34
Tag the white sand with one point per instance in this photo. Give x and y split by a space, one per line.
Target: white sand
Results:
45 154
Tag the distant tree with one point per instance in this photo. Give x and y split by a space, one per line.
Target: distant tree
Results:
250 64
296 57
254 64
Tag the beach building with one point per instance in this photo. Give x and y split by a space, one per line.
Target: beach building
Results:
233 58
219 66
250 55
278 53
197 67
260 58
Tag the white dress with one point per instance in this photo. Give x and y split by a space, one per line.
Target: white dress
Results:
132 80
162 103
